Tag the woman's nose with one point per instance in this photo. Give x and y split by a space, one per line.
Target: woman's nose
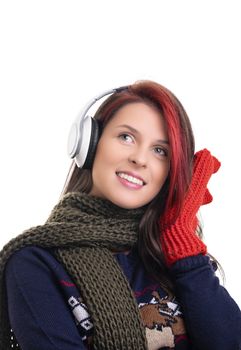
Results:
139 158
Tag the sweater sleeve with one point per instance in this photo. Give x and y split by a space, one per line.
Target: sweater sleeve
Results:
38 312
213 319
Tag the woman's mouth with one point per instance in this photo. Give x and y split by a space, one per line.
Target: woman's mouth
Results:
130 180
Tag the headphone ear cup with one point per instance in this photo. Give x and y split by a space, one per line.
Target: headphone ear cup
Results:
94 139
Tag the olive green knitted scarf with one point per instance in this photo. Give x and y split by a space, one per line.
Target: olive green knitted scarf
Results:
85 230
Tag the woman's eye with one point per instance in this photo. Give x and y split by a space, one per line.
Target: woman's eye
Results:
160 151
125 137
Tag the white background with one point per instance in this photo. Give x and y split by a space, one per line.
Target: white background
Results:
57 54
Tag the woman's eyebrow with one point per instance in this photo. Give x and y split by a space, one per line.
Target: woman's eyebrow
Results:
137 132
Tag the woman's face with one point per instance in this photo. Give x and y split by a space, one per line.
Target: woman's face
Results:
132 158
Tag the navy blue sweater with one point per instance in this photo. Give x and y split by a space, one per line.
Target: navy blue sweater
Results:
46 310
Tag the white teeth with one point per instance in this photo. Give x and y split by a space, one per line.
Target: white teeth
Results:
130 178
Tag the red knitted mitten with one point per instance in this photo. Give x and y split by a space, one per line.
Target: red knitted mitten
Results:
179 239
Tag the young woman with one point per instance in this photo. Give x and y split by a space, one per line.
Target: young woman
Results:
120 263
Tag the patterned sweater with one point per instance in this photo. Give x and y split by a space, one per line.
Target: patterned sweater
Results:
46 310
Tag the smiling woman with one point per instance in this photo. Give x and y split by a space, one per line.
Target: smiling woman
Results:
120 263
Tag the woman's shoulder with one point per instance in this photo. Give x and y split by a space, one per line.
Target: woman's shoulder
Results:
35 266
31 252
31 258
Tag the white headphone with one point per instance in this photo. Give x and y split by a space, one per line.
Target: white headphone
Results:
84 134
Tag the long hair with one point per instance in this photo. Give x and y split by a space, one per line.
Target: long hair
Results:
181 142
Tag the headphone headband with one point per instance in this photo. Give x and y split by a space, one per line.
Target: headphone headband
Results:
97 98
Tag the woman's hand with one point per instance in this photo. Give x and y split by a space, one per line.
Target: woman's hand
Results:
179 239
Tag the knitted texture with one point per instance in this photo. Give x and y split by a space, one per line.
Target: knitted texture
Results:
84 231
179 239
